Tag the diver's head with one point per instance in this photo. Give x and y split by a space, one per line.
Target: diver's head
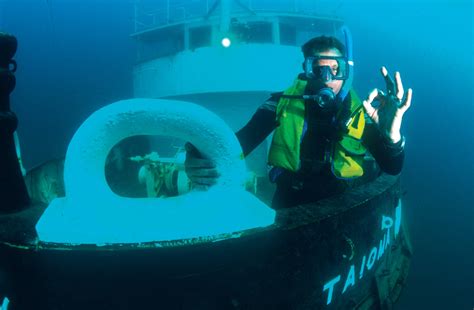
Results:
325 64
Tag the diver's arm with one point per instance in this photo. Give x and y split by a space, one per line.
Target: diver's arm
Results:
258 128
389 156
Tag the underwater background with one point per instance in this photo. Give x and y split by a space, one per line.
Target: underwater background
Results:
76 56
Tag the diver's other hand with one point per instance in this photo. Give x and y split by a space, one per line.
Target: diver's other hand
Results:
201 171
389 114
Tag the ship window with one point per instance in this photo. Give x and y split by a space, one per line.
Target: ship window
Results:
287 34
254 32
199 37
162 43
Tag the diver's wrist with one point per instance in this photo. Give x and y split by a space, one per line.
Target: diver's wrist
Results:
400 144
392 138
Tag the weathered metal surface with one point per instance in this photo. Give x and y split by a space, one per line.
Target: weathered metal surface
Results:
284 266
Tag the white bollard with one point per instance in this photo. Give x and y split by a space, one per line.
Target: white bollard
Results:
92 214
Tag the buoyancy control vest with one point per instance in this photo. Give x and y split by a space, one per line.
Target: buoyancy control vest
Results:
346 153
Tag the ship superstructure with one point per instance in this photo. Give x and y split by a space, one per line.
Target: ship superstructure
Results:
225 55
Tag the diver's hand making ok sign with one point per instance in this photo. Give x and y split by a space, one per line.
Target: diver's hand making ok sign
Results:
389 113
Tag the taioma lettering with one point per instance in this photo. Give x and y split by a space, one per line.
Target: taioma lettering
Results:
369 260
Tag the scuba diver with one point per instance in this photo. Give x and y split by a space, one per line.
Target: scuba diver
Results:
321 133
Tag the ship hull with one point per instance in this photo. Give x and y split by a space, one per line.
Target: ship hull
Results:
293 264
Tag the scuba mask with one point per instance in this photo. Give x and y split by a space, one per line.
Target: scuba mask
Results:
341 68
326 73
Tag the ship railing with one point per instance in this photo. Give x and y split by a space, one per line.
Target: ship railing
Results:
176 11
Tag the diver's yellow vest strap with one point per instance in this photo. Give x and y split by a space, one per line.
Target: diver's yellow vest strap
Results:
357 124
348 153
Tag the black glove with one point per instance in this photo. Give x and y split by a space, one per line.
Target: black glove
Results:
201 171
